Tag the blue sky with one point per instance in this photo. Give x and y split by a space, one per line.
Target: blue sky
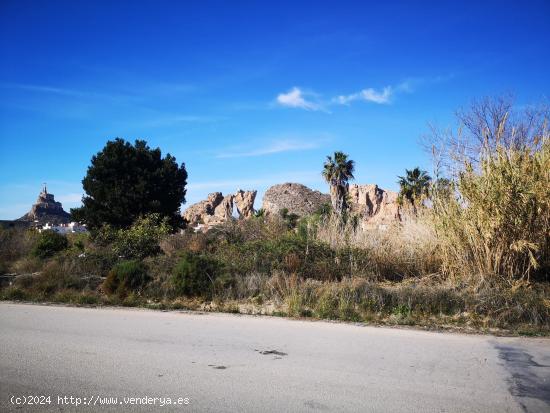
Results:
250 94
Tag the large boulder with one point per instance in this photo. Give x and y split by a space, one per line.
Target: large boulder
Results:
244 201
46 210
296 198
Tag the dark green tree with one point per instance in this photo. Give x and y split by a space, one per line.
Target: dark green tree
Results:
126 181
414 185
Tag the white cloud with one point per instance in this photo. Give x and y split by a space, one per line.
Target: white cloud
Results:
295 99
368 95
283 145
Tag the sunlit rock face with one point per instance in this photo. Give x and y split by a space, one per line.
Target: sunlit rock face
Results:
203 210
296 198
374 205
244 201
216 208
46 210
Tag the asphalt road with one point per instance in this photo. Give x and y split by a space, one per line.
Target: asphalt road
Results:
231 363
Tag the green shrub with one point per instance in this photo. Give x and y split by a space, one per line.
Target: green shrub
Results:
49 243
195 275
142 238
126 276
78 241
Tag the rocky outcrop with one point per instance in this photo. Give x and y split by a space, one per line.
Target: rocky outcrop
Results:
217 208
244 201
201 211
224 211
46 210
374 205
297 198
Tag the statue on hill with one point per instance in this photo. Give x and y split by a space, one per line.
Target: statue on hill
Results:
46 210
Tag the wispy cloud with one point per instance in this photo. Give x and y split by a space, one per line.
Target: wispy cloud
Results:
368 95
44 89
295 98
51 90
276 146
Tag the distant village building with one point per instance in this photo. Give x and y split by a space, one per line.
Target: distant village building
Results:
70 228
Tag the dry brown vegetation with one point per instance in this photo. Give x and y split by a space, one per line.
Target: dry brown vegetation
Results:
476 255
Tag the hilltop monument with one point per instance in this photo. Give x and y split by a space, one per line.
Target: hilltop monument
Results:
46 210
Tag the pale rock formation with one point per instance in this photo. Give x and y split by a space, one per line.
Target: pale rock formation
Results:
224 211
375 205
244 201
198 213
217 208
46 210
297 198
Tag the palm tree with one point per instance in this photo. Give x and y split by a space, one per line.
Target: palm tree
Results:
337 171
414 184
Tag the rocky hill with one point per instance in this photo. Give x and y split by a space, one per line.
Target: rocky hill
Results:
297 198
46 210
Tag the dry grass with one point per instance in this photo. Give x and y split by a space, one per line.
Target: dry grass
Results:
401 251
498 228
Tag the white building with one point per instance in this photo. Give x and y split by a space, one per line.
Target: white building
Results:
71 227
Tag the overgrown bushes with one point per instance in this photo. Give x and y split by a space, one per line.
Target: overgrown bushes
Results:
49 243
477 253
138 241
125 277
15 244
196 274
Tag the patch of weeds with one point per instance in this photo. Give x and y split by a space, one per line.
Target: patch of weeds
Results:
178 305
87 299
295 304
327 306
279 314
65 296
401 311
230 308
131 300
157 306
15 294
